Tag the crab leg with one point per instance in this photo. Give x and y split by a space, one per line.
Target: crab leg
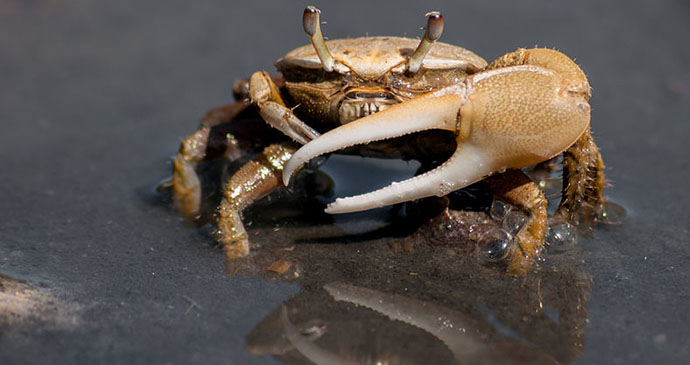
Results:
515 188
583 181
250 183
186 187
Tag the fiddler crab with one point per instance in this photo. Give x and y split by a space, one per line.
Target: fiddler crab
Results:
463 119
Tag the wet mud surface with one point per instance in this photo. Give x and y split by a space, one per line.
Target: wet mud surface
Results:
96 267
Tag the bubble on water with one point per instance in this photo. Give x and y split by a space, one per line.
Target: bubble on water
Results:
560 234
513 221
498 209
613 213
509 218
494 246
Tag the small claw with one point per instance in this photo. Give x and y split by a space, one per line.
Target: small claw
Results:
284 120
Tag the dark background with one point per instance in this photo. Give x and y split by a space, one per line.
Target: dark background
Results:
96 95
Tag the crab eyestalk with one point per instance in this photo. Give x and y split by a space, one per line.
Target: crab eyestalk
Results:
434 29
312 26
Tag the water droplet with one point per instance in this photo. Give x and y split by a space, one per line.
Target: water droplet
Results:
494 246
498 210
613 213
560 234
513 221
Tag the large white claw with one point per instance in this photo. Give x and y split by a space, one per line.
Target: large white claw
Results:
438 110
432 111
507 118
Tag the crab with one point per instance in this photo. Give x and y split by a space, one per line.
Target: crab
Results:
465 120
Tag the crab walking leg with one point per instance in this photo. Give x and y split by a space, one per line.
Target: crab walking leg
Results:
186 188
517 189
583 180
250 183
266 95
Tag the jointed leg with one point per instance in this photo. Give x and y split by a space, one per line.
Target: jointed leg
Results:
186 187
250 183
583 181
515 188
266 95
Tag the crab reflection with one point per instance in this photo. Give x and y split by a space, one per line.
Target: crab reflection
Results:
425 286
475 315
414 293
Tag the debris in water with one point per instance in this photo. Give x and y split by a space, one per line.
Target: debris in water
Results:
280 266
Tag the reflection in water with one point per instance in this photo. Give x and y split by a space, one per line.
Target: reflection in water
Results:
425 285
538 320
428 297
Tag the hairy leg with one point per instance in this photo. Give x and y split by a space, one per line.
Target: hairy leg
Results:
256 179
517 189
583 182
186 188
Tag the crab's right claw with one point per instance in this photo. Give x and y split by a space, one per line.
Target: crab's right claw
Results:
510 117
434 111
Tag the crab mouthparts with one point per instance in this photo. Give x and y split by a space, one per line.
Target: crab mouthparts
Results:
358 104
467 165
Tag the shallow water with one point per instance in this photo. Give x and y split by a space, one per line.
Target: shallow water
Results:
95 97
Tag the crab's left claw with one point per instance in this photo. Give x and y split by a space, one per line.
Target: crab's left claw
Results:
506 118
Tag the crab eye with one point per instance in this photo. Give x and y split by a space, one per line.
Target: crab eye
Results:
434 29
312 26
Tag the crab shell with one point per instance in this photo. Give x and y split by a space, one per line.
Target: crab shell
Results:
369 75
372 57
